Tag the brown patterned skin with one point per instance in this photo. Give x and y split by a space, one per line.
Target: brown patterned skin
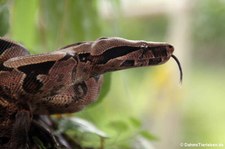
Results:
65 80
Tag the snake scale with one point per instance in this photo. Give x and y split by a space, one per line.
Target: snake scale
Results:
65 80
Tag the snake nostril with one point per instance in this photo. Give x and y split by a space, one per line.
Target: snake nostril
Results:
170 46
170 49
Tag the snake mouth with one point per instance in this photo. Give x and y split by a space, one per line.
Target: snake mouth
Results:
179 66
160 60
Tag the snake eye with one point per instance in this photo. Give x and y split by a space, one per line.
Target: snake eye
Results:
145 47
84 57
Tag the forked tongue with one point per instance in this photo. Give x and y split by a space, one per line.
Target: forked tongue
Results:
179 65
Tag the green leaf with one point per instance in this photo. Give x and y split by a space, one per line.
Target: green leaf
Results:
4 17
38 142
119 125
66 22
2 2
135 122
24 18
147 135
83 126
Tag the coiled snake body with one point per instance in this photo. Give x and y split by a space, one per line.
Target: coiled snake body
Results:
65 80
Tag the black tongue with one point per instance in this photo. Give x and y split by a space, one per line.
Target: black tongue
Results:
179 65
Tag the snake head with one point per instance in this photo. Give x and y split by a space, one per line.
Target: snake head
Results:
111 54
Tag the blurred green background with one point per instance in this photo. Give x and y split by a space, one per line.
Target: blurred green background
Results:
143 108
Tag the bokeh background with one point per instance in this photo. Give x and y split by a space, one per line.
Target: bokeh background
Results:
143 108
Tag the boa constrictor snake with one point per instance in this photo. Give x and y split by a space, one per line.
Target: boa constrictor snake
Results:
65 80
